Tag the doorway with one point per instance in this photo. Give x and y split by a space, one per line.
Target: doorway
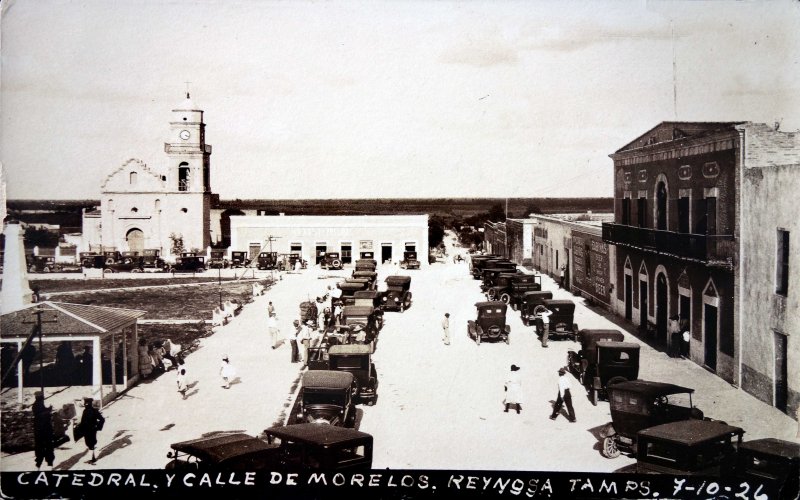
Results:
386 253
781 372
135 239
643 304
661 308
628 297
661 206
321 249
710 336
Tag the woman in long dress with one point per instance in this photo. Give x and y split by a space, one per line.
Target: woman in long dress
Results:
513 389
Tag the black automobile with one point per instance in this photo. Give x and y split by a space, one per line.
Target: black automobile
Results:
529 302
151 259
688 448
217 260
397 296
239 259
372 276
371 298
331 261
267 260
478 263
561 319
290 447
410 261
490 323
42 264
326 398
357 360
774 462
361 324
509 288
126 264
640 404
491 275
190 264
603 360
91 260
366 265
348 291
367 282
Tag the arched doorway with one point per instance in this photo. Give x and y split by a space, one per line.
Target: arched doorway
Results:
135 238
661 308
661 206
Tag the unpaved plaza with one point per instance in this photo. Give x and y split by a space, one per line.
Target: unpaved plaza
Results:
438 407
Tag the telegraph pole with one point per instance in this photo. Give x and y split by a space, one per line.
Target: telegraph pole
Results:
270 239
38 311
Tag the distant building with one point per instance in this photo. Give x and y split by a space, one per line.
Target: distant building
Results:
494 238
679 212
154 207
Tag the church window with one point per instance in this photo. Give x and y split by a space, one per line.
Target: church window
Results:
158 204
184 210
183 177
132 178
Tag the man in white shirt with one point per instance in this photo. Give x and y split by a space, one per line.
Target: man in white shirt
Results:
545 315
564 396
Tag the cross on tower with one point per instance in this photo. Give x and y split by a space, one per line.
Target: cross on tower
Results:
187 89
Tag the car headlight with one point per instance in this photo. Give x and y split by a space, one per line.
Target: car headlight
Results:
383 299
396 299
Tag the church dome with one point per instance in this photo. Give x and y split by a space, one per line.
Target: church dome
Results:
187 104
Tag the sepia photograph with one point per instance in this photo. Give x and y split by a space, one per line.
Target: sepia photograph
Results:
400 249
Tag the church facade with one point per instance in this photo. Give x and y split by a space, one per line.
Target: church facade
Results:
166 207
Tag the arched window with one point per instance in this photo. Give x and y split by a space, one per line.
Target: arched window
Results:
110 204
661 206
132 178
158 205
183 177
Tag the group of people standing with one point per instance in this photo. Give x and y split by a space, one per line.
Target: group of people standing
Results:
46 439
514 395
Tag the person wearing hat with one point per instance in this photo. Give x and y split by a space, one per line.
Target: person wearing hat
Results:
545 315
446 329
91 422
513 389
564 396
293 340
43 431
227 371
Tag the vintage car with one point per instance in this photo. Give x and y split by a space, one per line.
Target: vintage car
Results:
294 447
529 301
604 359
371 298
112 256
191 264
331 260
361 323
478 264
491 274
561 321
366 265
267 260
639 404
372 276
490 323
774 462
356 359
349 289
126 264
91 260
239 259
687 448
42 264
291 260
326 397
397 296
410 261
367 282
509 288
151 259
217 260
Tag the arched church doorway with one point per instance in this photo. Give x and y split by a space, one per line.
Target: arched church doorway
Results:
135 239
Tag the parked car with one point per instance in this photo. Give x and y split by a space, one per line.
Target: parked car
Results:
291 259
326 397
372 276
91 260
371 298
774 462
603 360
356 319
195 264
509 288
490 276
294 447
268 260
217 260
348 291
410 261
112 256
490 323
357 359
42 264
151 259
127 264
639 404
331 260
528 303
688 448
561 321
239 259
478 263
397 296
367 282
366 265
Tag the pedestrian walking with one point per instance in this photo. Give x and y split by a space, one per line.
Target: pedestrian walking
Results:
293 340
182 386
321 316
270 309
513 390
91 422
561 274
564 396
305 341
675 337
43 431
446 329
227 372
272 327
545 315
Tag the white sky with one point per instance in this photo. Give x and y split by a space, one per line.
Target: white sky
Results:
379 99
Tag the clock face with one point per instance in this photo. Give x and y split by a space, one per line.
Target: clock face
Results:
185 134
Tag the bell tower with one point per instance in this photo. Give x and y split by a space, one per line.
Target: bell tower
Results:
189 157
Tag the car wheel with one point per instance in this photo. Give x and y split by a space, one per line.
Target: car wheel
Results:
109 261
505 298
201 270
136 270
610 449
109 271
46 269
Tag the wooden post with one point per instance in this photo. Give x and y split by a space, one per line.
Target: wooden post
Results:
20 397
125 358
97 374
113 364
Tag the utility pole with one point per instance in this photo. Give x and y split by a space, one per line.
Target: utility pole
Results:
270 239
38 311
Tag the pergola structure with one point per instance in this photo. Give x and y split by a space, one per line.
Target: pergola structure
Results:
78 323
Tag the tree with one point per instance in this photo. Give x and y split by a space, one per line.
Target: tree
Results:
497 213
533 208
435 231
41 237
177 243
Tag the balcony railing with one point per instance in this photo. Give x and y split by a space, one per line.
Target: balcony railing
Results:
708 249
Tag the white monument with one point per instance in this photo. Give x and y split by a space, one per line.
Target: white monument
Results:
16 292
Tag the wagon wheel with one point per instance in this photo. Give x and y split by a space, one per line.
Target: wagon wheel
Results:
505 298
610 449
